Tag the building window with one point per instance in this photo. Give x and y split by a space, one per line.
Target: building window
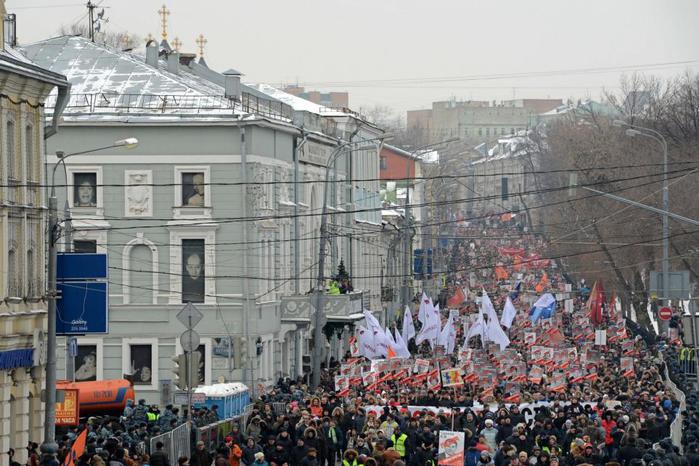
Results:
11 159
487 131
512 131
86 363
141 360
85 246
504 189
193 270
29 158
85 189
193 189
383 163
480 131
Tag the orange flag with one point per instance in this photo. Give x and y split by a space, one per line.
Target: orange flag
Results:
501 273
391 354
543 283
457 299
77 450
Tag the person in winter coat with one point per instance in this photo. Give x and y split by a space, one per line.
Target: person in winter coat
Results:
235 455
201 456
490 433
298 452
279 456
260 460
249 451
255 429
311 458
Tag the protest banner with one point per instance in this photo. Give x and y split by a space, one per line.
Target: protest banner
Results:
451 448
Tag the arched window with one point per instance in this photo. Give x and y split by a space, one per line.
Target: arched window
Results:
141 264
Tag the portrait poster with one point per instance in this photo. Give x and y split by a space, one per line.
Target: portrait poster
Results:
451 448
193 278
85 189
341 383
193 189
86 363
627 367
141 360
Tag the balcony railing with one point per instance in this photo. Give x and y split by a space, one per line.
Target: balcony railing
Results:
298 307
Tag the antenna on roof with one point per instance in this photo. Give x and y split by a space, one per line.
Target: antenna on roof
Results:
95 23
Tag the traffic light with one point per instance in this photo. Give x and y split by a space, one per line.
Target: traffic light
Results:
306 364
194 372
179 368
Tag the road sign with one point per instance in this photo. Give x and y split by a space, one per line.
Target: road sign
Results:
190 316
82 308
680 286
181 398
665 313
190 340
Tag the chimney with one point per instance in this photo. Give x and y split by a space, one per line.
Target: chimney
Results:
10 30
232 84
152 53
173 62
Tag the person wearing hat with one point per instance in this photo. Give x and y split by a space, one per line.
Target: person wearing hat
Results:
311 458
350 458
399 439
201 456
490 433
260 459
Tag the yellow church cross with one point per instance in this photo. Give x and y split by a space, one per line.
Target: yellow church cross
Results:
176 44
164 13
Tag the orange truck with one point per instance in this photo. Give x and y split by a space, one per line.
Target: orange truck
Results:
100 397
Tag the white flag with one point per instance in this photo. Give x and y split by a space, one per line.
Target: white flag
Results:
508 313
401 347
430 327
408 326
493 330
425 304
367 348
447 337
379 336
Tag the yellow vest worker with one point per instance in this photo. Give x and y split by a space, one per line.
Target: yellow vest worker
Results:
399 443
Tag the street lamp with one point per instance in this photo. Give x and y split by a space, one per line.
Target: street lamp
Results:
49 446
633 131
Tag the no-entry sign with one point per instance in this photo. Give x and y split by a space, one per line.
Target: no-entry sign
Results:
665 313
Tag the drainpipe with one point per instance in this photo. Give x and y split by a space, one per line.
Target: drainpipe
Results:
61 103
297 252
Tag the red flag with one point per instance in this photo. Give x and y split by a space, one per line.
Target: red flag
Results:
457 298
77 450
595 303
515 398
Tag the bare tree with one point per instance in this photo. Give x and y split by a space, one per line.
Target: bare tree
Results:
116 40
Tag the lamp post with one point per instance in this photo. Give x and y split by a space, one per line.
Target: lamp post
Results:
318 320
49 448
633 131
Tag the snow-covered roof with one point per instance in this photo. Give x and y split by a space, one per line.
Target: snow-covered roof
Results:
222 389
110 81
14 60
511 146
297 103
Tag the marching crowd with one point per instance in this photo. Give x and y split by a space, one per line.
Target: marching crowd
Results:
582 405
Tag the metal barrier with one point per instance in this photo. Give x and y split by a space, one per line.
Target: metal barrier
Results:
279 408
213 434
676 426
687 360
176 443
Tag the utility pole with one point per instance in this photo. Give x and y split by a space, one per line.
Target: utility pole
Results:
49 448
247 308
91 18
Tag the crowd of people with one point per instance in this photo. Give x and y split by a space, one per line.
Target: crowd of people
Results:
568 388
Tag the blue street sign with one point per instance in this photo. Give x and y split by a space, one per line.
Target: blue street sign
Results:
82 308
81 266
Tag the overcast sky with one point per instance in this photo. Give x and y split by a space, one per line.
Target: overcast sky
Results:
335 44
